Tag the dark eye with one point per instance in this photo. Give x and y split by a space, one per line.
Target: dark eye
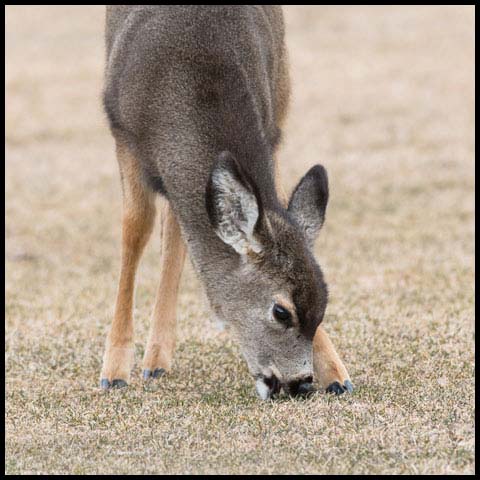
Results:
282 314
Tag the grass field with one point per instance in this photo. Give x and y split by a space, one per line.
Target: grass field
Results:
384 98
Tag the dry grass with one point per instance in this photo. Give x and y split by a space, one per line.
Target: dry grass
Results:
383 97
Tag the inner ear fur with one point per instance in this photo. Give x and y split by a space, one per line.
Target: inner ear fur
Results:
233 204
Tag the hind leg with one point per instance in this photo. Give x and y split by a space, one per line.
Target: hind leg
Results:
161 342
137 223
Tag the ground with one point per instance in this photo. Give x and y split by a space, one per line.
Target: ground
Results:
383 97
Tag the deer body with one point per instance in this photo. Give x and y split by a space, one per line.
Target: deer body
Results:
196 97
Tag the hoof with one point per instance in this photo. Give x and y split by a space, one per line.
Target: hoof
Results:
117 383
348 385
104 384
157 373
336 388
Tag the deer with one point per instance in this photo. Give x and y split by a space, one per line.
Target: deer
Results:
196 98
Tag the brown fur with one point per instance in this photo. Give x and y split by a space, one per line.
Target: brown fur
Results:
138 219
161 343
282 194
196 97
326 362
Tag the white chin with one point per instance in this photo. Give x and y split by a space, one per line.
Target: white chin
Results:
262 389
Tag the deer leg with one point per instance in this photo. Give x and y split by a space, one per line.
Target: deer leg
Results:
329 369
162 337
137 224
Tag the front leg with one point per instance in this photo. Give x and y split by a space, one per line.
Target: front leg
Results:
161 342
138 220
329 369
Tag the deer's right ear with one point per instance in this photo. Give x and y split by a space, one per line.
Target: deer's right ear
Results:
233 205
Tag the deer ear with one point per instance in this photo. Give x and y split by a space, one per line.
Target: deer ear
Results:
309 202
233 205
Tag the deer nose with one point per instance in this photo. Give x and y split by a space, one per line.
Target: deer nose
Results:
301 388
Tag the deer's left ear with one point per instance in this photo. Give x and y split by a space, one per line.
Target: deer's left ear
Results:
309 202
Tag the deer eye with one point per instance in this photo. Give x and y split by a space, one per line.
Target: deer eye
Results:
282 315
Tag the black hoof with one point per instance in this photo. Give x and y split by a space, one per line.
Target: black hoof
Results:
336 388
157 373
118 383
104 384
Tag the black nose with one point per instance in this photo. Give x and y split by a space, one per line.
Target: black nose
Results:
301 388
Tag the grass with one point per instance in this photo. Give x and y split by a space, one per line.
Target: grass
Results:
383 97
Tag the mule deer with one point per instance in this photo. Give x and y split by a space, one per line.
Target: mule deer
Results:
196 97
